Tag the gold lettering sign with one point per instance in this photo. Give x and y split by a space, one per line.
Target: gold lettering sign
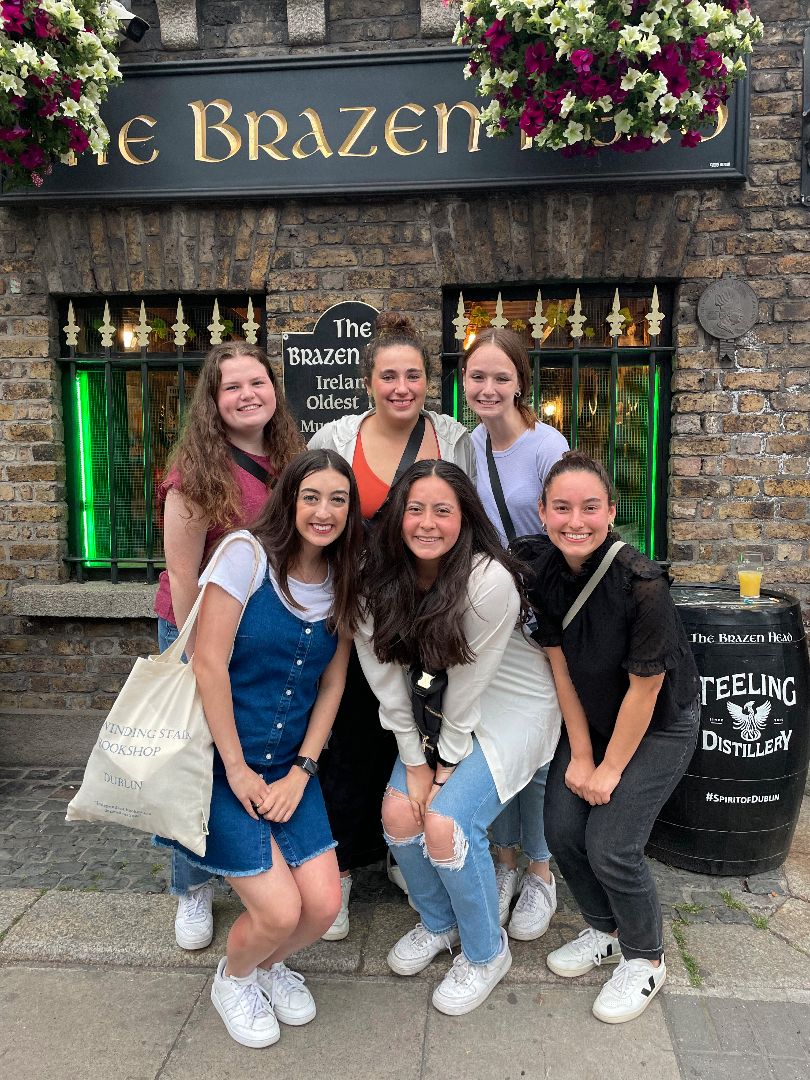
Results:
474 114
363 121
722 120
392 129
321 144
254 146
201 126
125 140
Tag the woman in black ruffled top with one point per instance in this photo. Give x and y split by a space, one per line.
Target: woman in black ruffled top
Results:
628 688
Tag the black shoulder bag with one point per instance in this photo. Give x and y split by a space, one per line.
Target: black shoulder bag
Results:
497 491
427 690
408 458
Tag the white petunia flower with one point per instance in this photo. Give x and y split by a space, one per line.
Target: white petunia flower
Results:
630 79
573 132
622 121
567 104
668 103
660 132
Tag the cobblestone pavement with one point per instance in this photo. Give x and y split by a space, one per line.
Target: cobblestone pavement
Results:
39 849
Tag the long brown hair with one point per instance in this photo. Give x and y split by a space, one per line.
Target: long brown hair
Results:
201 454
276 531
513 345
411 626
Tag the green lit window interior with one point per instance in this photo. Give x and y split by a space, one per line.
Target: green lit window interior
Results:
603 392
123 406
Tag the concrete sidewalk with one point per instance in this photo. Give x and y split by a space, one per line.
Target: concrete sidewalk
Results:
93 985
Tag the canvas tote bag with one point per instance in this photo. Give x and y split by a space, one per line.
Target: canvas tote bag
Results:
151 767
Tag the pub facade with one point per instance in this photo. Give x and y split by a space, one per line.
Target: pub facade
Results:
280 173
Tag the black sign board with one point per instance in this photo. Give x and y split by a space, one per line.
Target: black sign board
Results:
322 378
316 125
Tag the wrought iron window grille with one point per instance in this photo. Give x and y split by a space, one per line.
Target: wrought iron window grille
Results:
601 362
127 373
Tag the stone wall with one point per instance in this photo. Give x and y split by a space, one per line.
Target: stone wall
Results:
740 445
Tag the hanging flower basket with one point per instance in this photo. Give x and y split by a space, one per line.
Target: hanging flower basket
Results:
576 75
57 61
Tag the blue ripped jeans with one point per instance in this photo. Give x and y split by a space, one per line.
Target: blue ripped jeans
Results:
184 875
460 892
521 824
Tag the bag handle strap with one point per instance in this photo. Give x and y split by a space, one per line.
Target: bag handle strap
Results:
408 458
246 462
497 491
177 647
596 577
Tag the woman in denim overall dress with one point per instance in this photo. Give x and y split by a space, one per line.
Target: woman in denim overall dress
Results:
270 708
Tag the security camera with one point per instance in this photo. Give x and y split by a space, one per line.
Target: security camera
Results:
133 27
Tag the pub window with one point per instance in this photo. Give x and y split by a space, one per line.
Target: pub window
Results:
601 365
128 369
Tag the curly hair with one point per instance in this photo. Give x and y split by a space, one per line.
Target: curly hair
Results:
201 455
514 347
276 531
415 627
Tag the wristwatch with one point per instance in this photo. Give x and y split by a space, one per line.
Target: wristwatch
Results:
308 764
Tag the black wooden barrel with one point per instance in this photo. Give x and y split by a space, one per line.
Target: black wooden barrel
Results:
735 810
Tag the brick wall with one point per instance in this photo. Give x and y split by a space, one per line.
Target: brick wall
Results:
740 444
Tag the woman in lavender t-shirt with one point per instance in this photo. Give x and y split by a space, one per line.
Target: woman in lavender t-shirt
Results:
512 441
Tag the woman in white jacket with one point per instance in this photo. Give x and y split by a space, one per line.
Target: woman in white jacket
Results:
441 595
397 430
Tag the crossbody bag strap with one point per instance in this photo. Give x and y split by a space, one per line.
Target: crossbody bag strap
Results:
596 577
246 462
411 448
497 491
177 647
408 457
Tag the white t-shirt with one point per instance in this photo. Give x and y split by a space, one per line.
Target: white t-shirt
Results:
233 571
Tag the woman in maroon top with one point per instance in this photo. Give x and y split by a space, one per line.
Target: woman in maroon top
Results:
237 437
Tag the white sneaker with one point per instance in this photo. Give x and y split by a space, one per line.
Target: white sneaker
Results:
340 927
589 950
533 911
629 991
289 995
466 985
245 1009
508 882
413 952
194 921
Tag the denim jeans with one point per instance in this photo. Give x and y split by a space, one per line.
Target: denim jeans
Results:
184 875
600 849
463 892
520 823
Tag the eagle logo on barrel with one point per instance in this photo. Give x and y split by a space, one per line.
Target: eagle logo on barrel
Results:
748 721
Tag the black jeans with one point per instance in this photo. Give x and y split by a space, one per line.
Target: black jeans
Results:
600 849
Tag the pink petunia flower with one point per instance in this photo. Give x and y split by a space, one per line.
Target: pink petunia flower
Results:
537 60
532 118
13 16
32 157
13 133
581 60
668 62
633 144
497 38
690 138
78 140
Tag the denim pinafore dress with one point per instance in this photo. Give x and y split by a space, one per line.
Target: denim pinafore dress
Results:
277 662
